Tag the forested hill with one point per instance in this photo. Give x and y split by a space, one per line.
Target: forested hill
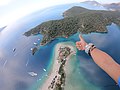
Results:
76 19
74 11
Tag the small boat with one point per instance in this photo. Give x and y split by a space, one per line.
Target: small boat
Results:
40 79
31 49
32 74
35 44
44 70
38 39
14 49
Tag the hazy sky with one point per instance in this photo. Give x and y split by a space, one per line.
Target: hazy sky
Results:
11 10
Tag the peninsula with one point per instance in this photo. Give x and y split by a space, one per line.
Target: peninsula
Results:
56 79
76 19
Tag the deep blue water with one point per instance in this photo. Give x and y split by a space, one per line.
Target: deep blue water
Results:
109 43
14 66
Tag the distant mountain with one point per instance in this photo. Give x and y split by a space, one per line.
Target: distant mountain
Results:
2 28
113 6
92 2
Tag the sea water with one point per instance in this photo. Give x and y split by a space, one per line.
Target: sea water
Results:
84 73
14 66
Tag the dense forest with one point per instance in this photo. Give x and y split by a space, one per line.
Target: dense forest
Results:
76 19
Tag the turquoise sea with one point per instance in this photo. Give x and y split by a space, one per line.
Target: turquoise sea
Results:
14 66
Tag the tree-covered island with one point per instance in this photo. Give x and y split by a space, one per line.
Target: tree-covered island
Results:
76 19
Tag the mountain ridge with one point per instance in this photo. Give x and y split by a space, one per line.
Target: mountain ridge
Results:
110 6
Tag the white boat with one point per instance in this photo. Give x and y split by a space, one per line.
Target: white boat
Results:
14 49
31 49
44 70
32 74
38 39
35 43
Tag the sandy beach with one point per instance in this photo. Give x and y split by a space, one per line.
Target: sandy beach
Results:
56 65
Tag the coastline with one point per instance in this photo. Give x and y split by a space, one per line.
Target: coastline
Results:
56 65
